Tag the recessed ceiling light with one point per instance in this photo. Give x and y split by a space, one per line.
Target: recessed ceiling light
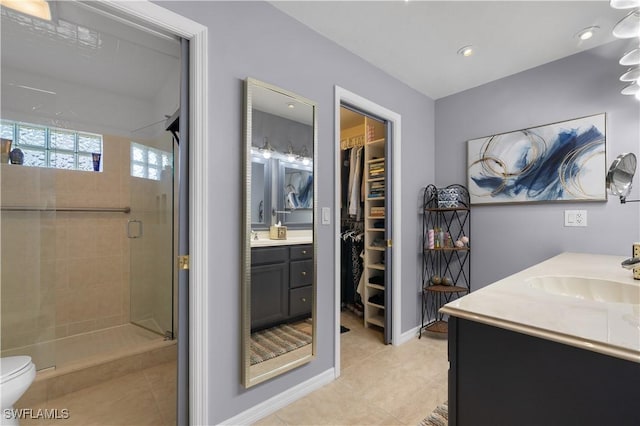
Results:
466 50
587 33
291 105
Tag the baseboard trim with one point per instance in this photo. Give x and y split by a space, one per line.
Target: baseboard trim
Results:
407 335
281 400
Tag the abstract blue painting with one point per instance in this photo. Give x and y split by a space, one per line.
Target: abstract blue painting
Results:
563 161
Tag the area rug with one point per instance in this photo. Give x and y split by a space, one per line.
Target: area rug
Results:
275 341
439 416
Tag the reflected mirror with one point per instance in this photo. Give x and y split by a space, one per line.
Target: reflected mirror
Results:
279 263
620 176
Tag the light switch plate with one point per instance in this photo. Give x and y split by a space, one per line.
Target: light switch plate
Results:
575 218
326 216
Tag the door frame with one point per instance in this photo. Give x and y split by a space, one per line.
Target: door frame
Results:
152 14
344 96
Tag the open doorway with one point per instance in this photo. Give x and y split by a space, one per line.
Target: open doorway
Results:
367 300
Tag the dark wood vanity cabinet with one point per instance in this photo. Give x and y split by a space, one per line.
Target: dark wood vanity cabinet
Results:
501 377
281 284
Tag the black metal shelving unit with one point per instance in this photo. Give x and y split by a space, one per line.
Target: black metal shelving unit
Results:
446 267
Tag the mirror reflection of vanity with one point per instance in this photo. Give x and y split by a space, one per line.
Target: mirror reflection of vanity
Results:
279 266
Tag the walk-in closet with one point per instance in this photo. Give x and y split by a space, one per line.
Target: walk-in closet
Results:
364 232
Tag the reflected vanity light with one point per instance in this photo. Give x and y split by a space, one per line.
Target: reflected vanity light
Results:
631 89
632 74
629 26
624 4
631 58
267 149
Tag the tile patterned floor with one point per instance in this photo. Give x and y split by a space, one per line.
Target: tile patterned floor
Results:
146 397
379 385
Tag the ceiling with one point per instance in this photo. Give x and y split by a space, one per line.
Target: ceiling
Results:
417 41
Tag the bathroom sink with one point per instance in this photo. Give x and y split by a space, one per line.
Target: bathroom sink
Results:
593 289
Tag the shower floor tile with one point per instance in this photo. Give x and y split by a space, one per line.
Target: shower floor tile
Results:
86 347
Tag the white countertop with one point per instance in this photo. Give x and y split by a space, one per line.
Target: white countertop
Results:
610 327
293 237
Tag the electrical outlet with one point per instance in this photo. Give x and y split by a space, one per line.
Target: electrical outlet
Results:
575 218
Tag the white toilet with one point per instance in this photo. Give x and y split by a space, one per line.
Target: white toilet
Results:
16 375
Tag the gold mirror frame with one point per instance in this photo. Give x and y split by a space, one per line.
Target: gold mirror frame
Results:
251 377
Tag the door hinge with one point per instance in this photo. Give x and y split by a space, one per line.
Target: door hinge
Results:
389 243
183 261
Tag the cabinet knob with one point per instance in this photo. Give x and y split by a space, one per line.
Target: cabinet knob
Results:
304 252
304 273
304 299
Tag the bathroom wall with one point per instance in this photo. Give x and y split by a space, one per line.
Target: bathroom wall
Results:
253 39
508 238
64 273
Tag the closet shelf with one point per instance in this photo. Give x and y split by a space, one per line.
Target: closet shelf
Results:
376 141
380 179
376 286
375 198
375 217
375 305
378 266
375 229
375 160
376 248
376 320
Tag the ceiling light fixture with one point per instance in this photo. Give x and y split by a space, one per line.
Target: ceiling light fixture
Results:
587 33
629 26
466 51
291 105
624 4
631 58
632 74
38 8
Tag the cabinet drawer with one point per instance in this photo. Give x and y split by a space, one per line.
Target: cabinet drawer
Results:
300 301
264 255
300 273
302 252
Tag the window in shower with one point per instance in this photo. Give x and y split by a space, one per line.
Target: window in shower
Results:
52 147
148 162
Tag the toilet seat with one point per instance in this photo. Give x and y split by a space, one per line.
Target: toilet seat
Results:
13 366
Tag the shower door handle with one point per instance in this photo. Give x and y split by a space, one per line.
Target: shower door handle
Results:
134 231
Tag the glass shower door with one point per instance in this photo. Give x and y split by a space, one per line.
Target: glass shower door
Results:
30 265
150 232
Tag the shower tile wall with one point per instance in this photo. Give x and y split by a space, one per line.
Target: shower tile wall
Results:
64 273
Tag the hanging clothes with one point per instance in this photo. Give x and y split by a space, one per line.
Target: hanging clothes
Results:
352 265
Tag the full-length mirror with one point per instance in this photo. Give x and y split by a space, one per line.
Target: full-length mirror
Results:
279 263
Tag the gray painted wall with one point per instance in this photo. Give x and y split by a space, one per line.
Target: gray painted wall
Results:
509 238
253 39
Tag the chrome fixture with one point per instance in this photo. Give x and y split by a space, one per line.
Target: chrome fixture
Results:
620 176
